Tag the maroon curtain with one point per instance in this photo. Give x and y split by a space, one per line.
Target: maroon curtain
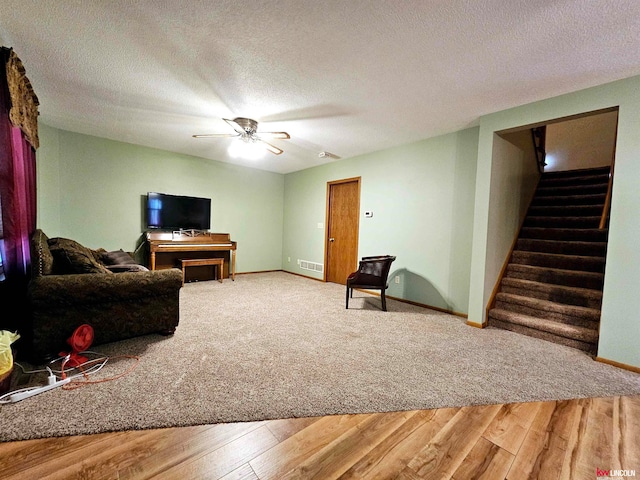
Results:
17 201
18 210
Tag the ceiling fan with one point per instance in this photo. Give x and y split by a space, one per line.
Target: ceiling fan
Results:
246 130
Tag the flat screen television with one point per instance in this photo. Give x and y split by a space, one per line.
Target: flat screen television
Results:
177 212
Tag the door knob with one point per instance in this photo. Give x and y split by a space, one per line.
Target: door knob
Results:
332 239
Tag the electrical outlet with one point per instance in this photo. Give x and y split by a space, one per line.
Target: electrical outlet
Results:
298 261
288 259
397 279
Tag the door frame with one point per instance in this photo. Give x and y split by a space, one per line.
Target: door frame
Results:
327 217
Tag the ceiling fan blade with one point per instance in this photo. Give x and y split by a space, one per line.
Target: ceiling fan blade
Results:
216 135
235 125
271 148
278 135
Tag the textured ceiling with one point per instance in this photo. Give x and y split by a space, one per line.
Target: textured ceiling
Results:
343 76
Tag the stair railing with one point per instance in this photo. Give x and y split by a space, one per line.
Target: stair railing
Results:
538 135
607 201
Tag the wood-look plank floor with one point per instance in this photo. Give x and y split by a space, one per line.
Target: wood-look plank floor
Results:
543 440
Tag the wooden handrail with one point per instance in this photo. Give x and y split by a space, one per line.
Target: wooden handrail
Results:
538 135
607 200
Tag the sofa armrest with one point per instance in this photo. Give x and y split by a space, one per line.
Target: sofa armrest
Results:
57 290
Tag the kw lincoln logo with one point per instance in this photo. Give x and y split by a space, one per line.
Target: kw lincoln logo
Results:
609 474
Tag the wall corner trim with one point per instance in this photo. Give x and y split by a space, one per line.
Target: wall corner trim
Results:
476 324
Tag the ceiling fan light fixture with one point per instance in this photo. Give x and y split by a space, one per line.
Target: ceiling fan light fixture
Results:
246 147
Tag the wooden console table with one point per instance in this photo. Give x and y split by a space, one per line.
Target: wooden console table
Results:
166 249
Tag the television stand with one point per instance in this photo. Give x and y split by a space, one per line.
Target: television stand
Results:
167 249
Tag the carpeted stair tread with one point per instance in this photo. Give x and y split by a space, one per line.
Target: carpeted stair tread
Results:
565 234
578 172
573 332
565 210
564 200
589 222
563 247
547 182
553 260
566 190
582 297
559 312
590 348
556 276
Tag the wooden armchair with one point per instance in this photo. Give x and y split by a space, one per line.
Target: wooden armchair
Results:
372 274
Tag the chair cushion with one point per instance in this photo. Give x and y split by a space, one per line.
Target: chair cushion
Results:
71 257
363 279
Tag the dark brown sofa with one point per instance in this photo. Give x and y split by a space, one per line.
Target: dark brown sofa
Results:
72 285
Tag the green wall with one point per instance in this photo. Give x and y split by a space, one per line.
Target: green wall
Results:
92 189
421 196
619 327
514 177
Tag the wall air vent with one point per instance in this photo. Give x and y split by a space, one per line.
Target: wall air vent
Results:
313 266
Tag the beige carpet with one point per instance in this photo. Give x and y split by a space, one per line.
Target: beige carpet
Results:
275 345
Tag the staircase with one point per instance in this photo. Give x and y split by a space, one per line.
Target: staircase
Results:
552 287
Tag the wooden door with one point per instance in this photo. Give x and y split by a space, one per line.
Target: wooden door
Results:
341 243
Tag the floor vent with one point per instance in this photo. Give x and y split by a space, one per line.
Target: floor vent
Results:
316 267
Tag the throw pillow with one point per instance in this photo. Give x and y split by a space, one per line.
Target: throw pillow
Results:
118 257
71 257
